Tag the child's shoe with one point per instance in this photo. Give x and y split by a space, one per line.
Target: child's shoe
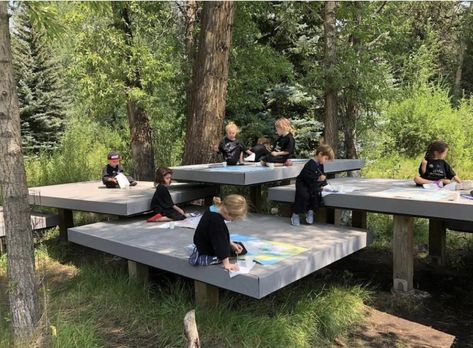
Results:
309 218
133 183
295 221
155 218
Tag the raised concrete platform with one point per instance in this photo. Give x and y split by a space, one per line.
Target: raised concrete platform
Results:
254 173
146 244
39 221
400 197
92 196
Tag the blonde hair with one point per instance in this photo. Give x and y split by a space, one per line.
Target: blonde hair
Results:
284 124
232 205
232 125
325 150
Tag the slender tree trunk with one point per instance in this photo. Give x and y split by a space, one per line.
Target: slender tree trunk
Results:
22 282
190 18
352 109
457 90
331 128
141 134
209 82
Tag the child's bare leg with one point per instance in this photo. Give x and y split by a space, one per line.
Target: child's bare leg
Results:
421 181
163 219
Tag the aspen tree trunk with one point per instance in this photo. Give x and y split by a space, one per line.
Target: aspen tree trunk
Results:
206 106
330 38
141 134
22 282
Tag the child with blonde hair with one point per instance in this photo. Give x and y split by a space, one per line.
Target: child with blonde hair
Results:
284 146
309 185
230 147
211 237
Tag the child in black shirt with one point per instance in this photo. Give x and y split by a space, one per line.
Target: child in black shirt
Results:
434 168
309 185
285 145
212 239
162 205
112 169
261 149
230 147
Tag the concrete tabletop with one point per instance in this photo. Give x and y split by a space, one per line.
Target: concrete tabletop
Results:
389 196
38 221
143 242
253 173
93 196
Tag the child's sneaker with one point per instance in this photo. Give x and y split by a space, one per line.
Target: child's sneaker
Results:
133 183
295 221
309 218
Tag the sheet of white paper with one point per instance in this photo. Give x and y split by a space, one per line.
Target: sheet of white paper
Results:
451 187
122 180
251 158
245 267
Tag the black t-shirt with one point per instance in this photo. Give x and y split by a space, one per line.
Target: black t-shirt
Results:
231 150
211 236
260 151
437 170
162 199
285 143
310 174
110 172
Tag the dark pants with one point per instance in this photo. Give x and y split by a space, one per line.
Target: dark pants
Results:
307 198
172 213
274 159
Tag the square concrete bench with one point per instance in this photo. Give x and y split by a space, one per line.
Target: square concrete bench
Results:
39 221
143 244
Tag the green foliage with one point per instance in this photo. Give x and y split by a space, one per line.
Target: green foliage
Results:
40 91
81 156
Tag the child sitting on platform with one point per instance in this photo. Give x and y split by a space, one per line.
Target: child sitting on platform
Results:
230 147
212 239
162 205
284 147
261 149
309 185
434 169
112 169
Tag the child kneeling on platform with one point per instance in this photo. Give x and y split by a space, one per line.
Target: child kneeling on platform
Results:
309 185
212 239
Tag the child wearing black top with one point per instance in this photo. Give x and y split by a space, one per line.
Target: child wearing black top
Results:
434 169
284 146
162 205
309 185
230 147
112 169
212 239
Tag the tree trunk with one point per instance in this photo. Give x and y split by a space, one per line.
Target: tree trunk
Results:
190 18
457 90
141 135
209 83
352 109
330 38
22 282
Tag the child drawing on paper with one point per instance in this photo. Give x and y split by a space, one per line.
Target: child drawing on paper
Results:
211 237
309 185
434 169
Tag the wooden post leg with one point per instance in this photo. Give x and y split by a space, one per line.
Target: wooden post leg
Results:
337 217
138 271
403 253
205 295
437 241
256 199
65 221
359 219
325 215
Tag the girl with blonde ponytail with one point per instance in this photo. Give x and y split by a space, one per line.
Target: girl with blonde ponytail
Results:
212 238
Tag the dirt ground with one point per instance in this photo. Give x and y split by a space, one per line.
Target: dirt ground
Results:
444 302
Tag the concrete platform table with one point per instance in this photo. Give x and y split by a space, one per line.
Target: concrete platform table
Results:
143 244
93 197
403 200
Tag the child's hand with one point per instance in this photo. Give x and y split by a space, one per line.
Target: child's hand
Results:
233 267
274 153
215 148
236 247
322 178
446 181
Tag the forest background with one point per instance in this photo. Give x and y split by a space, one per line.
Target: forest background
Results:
402 77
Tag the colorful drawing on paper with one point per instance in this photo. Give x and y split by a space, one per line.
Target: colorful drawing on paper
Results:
420 194
238 169
267 252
